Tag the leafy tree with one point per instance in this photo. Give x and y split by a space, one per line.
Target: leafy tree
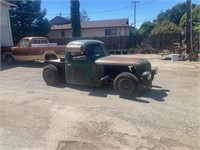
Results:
75 18
173 15
27 19
195 19
84 16
146 28
177 12
166 27
163 16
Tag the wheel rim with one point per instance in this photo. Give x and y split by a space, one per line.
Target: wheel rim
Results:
126 86
9 59
48 75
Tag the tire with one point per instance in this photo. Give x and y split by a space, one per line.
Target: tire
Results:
9 59
51 74
126 84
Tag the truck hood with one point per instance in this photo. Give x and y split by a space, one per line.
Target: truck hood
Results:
120 61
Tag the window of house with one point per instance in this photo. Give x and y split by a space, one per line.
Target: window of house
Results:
62 33
111 31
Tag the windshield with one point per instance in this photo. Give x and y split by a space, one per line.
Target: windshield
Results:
97 50
105 51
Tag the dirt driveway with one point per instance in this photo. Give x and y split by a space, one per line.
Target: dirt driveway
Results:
34 116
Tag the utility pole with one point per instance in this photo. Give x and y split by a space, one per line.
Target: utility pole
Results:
189 26
135 4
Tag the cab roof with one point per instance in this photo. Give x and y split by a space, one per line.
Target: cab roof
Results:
34 37
80 45
85 43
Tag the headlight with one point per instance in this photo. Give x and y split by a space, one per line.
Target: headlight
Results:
146 75
154 70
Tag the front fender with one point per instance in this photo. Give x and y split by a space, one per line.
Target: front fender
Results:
7 53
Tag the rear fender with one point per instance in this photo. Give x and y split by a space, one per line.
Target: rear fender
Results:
50 53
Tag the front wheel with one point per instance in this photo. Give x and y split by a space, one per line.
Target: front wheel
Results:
126 84
51 74
9 59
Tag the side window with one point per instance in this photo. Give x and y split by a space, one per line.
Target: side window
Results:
34 41
44 41
97 51
24 43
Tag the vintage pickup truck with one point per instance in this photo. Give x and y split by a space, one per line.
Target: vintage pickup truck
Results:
33 48
87 62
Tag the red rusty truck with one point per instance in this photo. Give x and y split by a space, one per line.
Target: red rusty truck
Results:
33 48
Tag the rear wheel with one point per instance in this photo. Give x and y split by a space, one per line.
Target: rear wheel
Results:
126 84
51 74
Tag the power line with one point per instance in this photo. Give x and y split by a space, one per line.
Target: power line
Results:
149 3
107 11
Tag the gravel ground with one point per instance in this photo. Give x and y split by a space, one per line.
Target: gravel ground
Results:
34 116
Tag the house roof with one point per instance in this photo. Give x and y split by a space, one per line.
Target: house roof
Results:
58 20
96 24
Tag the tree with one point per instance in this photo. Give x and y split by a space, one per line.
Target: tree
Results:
75 18
27 19
195 19
146 28
173 15
163 16
166 27
84 16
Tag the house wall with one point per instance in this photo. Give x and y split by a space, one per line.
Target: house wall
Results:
96 32
5 27
57 34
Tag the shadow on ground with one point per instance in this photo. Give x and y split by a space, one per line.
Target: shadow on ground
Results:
29 64
157 93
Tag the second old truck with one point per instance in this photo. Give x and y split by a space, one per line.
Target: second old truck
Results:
33 48
87 62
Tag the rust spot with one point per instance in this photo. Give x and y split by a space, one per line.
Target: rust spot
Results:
79 71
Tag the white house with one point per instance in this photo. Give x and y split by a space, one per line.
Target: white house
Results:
5 27
100 28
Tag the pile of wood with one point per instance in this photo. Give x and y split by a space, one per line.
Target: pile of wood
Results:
193 57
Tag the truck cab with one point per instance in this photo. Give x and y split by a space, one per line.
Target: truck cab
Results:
87 62
80 63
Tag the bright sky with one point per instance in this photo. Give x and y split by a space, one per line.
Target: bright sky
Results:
146 10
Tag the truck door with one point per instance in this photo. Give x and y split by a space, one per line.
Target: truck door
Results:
22 52
81 70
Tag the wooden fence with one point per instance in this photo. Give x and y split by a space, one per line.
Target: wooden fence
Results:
112 43
158 42
165 41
